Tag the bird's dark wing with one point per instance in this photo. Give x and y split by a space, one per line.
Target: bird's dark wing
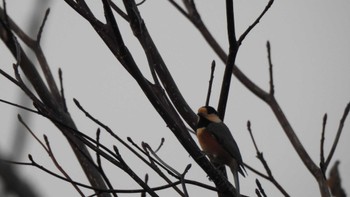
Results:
225 138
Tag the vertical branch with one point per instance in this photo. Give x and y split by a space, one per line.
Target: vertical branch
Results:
231 24
260 190
337 137
210 82
225 87
64 104
322 160
272 88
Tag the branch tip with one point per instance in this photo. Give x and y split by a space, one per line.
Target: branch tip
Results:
188 167
30 157
129 139
272 88
45 138
213 64
38 38
19 117
337 137
325 118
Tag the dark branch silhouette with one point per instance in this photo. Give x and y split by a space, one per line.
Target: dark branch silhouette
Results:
210 83
260 156
162 92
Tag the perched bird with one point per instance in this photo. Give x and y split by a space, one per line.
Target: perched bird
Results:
217 142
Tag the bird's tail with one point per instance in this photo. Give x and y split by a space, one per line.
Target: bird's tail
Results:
234 169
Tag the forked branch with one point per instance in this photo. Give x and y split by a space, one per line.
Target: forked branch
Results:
268 98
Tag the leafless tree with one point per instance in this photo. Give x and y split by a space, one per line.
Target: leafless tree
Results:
162 92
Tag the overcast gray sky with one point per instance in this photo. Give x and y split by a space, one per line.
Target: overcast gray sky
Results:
310 52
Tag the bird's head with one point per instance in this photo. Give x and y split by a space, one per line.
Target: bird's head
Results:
209 113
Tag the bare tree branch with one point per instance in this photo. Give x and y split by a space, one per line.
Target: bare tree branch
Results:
257 20
272 88
260 156
337 137
162 93
50 103
322 159
272 102
233 49
210 83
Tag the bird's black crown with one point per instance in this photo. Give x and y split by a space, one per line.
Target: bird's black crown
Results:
211 110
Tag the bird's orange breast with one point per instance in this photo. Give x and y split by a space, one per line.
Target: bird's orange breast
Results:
212 147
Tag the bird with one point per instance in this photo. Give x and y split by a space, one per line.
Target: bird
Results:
218 143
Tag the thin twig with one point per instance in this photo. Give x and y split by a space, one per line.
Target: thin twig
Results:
153 56
256 171
126 169
147 147
162 140
322 159
119 11
35 46
47 104
193 16
143 194
99 163
19 106
260 156
38 37
257 192
257 20
180 9
84 138
183 183
152 160
33 163
59 167
37 102
272 88
260 188
87 114
251 135
337 137
48 150
63 98
141 2
98 156
32 133
210 82
162 164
